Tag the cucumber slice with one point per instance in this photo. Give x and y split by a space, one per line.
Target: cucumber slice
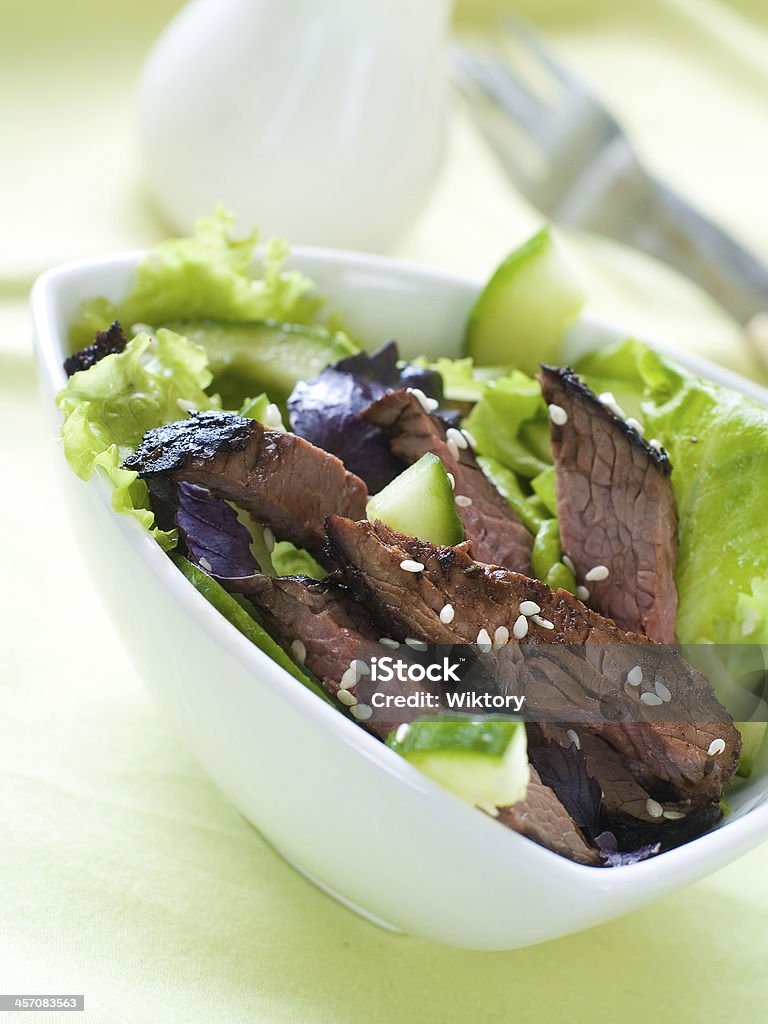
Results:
484 761
525 309
752 736
263 355
420 502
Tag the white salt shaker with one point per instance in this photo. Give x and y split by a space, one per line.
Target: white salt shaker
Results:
319 120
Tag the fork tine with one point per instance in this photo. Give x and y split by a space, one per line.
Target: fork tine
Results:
522 160
500 85
527 38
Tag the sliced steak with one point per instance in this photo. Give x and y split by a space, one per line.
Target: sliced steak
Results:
572 663
281 479
615 506
496 532
541 817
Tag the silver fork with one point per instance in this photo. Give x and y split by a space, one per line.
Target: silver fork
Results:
572 160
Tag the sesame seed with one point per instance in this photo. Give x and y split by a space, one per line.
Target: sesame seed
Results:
347 698
299 651
387 641
634 424
582 593
360 667
558 415
662 690
362 712
401 733
447 614
608 400
654 808
463 501
452 479
454 450
655 444
529 608
469 438
674 815
716 747
205 564
414 644
272 417
501 636
489 809
651 699
635 676
349 679
600 572
484 641
520 628
409 565
573 736
269 539
568 563
426 403
544 623
454 436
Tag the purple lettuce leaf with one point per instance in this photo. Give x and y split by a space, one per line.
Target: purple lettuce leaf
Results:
214 537
325 410
608 846
564 770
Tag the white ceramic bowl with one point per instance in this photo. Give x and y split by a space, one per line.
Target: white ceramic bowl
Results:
346 811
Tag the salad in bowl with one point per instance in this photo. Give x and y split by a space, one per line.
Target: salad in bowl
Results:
537 571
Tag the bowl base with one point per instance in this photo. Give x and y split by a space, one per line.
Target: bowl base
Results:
349 904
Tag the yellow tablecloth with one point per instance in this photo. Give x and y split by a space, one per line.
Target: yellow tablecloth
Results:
124 874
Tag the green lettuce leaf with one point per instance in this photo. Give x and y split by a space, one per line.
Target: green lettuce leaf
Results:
717 440
288 560
207 275
108 409
510 424
462 380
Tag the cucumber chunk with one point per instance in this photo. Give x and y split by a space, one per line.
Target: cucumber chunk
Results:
482 760
263 355
525 309
420 502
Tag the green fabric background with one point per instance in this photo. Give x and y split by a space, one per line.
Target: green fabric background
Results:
124 874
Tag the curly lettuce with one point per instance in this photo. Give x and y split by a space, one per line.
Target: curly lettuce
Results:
108 409
207 275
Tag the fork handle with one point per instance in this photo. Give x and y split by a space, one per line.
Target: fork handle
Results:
669 228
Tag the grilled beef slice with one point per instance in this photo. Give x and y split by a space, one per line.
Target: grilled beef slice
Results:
496 533
540 816
616 508
279 478
572 664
